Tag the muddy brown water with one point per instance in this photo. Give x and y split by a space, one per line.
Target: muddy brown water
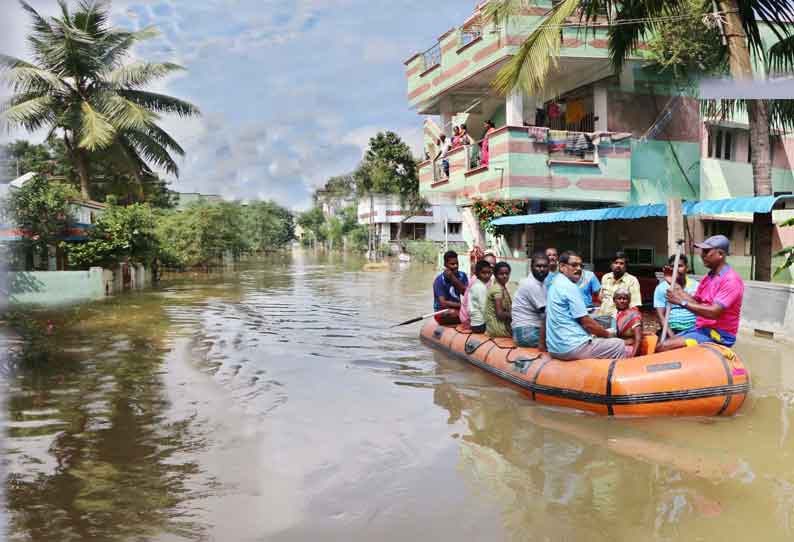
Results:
273 403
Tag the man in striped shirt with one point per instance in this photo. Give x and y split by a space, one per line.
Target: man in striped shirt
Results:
681 319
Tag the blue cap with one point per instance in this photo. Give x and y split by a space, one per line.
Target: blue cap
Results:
716 241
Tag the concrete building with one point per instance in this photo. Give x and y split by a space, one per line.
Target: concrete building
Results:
183 199
592 138
439 222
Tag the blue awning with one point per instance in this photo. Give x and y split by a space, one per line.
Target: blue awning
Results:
762 204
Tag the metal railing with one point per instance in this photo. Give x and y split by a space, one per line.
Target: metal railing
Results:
570 145
469 34
432 57
474 155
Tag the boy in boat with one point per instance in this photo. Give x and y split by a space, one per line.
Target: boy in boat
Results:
448 288
499 304
529 306
681 319
472 310
570 333
717 302
628 322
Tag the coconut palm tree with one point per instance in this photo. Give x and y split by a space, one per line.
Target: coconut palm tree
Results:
78 85
632 21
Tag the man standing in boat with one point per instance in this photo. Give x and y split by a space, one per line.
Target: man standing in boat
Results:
618 278
448 288
570 333
717 302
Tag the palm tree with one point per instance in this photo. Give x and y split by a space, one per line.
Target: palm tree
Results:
630 22
79 85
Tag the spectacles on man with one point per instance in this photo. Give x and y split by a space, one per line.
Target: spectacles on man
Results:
574 265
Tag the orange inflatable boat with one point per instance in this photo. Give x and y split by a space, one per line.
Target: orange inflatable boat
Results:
705 380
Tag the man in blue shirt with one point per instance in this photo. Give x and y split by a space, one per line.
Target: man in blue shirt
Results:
570 333
448 289
681 318
588 284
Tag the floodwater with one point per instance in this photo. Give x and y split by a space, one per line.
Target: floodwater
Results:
274 403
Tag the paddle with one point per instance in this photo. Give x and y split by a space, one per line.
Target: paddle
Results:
667 307
419 318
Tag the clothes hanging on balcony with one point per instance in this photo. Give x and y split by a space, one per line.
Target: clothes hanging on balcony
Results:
554 111
575 112
557 140
577 143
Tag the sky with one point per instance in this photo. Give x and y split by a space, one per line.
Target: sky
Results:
290 91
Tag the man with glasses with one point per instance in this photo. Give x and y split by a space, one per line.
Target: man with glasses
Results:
717 302
570 333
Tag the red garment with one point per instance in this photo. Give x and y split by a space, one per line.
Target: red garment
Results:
626 322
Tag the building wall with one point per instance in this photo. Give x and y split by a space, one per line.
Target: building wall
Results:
53 288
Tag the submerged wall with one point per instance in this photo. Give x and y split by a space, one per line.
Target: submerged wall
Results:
53 288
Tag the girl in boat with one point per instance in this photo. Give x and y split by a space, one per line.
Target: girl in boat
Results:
499 304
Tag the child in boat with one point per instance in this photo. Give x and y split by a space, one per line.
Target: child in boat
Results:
628 321
499 304
475 297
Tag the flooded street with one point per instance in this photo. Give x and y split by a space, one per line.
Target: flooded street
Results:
275 403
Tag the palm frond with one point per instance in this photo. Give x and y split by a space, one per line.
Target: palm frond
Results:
164 139
776 15
30 112
161 103
502 11
40 24
118 45
24 79
538 55
625 38
141 74
96 132
781 56
123 113
150 151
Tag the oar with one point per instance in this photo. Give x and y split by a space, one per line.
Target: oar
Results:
679 245
419 318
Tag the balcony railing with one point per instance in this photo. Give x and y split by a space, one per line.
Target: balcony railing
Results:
469 34
432 57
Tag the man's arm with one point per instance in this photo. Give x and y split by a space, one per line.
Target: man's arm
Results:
542 338
593 327
447 304
637 341
711 311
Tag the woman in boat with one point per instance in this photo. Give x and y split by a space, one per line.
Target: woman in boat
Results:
628 321
499 304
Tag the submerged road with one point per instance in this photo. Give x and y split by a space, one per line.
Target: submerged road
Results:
274 403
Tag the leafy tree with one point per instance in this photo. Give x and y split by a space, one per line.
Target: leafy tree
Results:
634 21
268 225
389 167
120 234
42 210
78 85
312 223
787 252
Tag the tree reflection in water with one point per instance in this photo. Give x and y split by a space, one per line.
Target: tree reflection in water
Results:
92 453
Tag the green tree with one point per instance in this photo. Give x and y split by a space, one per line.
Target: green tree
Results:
633 21
43 211
389 167
269 226
312 223
78 85
787 252
120 234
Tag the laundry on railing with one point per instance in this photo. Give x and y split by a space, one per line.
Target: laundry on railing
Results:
557 140
577 143
538 133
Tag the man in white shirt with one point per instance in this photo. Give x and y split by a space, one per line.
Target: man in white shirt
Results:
529 305
443 151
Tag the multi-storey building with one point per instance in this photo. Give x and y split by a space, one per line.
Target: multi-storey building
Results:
590 138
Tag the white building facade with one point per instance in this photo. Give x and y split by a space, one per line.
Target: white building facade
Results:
439 222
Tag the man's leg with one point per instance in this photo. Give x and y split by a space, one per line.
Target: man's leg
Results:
692 337
528 336
597 349
451 317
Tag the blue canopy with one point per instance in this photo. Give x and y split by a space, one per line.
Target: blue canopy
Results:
762 204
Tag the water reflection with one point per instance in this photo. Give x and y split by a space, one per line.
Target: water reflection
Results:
275 403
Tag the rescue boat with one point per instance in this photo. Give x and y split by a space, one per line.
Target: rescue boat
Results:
703 380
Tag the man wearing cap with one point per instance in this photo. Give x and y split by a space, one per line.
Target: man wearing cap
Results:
717 302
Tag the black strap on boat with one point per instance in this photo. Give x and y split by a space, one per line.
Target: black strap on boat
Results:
610 374
537 374
727 368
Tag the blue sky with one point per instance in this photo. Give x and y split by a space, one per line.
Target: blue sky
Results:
290 91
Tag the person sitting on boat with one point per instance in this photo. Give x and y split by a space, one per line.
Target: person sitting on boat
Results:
681 319
499 304
553 256
448 288
619 277
570 333
529 306
472 309
628 321
717 302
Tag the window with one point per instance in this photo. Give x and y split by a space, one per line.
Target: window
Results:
720 143
718 227
640 255
453 228
414 232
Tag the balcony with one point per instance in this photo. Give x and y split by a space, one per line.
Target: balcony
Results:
535 163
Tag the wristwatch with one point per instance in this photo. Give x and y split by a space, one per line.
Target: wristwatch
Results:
684 303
